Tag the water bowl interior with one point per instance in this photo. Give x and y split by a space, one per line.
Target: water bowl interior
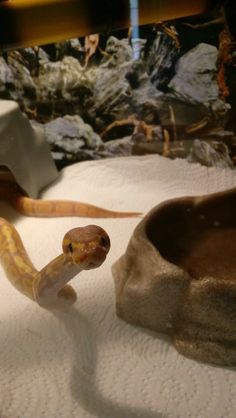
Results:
178 275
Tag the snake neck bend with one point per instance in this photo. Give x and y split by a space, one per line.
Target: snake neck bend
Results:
41 286
52 280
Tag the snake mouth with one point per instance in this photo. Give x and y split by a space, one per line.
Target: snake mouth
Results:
97 258
89 258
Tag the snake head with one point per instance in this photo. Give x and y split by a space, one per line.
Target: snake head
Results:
86 246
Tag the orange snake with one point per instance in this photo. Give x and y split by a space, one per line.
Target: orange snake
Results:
83 248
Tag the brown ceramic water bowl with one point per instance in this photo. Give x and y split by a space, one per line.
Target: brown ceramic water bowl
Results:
178 275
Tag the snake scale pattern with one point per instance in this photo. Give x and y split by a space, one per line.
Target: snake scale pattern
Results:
83 248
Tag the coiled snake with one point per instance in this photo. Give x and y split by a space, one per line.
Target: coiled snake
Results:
83 248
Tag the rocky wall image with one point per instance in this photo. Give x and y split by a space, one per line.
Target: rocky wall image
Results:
171 91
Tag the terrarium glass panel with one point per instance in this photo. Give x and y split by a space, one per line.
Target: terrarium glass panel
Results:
151 107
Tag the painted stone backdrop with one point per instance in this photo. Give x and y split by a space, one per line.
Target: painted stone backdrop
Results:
172 92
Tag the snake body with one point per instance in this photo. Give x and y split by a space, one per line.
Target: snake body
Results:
83 248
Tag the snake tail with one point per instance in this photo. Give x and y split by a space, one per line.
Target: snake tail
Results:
58 208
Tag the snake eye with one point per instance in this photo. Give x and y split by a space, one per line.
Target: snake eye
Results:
70 248
104 242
